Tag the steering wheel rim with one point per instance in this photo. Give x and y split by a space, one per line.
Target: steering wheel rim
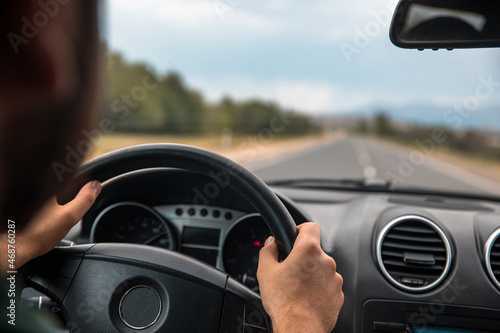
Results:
93 298
222 170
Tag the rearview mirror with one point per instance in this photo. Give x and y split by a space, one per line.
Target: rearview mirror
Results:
435 24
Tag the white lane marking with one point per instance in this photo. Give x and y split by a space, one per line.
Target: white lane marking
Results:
365 160
370 172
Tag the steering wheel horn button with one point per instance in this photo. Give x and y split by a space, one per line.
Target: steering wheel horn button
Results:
140 307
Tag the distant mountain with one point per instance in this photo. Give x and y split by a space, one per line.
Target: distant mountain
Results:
486 118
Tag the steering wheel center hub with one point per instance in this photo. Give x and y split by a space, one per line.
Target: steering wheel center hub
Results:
140 307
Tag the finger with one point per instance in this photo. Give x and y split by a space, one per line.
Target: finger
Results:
83 200
308 230
308 242
269 253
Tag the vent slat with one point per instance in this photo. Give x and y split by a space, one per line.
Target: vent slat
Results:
414 238
406 246
400 254
414 229
392 253
415 275
388 262
420 238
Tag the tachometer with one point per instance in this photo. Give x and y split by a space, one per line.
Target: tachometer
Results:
135 223
240 254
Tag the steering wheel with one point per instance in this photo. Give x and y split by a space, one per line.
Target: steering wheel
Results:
123 287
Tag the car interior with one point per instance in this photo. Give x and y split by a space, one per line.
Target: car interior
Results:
172 242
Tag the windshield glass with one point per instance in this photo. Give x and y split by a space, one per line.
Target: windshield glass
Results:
302 89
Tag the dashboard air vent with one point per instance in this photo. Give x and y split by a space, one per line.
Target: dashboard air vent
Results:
413 253
492 257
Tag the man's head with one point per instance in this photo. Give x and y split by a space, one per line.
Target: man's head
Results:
49 82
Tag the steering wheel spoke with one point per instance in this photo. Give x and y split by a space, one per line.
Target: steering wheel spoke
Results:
117 287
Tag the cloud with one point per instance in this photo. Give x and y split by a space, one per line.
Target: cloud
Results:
197 14
306 96
186 14
302 95
288 51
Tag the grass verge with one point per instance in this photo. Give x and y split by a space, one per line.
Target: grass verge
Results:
242 149
488 168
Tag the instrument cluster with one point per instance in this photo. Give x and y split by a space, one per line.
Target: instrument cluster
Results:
227 239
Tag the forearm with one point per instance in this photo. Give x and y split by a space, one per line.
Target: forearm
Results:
11 257
294 327
3 256
297 323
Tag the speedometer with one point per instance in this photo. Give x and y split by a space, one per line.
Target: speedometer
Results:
241 249
134 223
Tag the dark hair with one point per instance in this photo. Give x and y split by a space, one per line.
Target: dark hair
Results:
31 145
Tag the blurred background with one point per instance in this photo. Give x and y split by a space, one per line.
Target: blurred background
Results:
258 79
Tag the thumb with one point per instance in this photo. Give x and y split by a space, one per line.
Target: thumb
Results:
83 200
269 253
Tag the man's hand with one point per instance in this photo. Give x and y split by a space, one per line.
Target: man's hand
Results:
304 292
49 226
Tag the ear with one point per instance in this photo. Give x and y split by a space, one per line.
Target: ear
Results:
37 59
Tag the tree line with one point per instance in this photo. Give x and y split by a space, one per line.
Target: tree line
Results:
139 100
469 141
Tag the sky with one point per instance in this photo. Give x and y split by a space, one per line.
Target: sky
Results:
320 56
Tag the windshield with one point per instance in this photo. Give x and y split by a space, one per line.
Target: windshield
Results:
302 89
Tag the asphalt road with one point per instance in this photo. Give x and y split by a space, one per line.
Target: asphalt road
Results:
356 158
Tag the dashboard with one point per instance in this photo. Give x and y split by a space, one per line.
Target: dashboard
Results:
410 262
225 238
